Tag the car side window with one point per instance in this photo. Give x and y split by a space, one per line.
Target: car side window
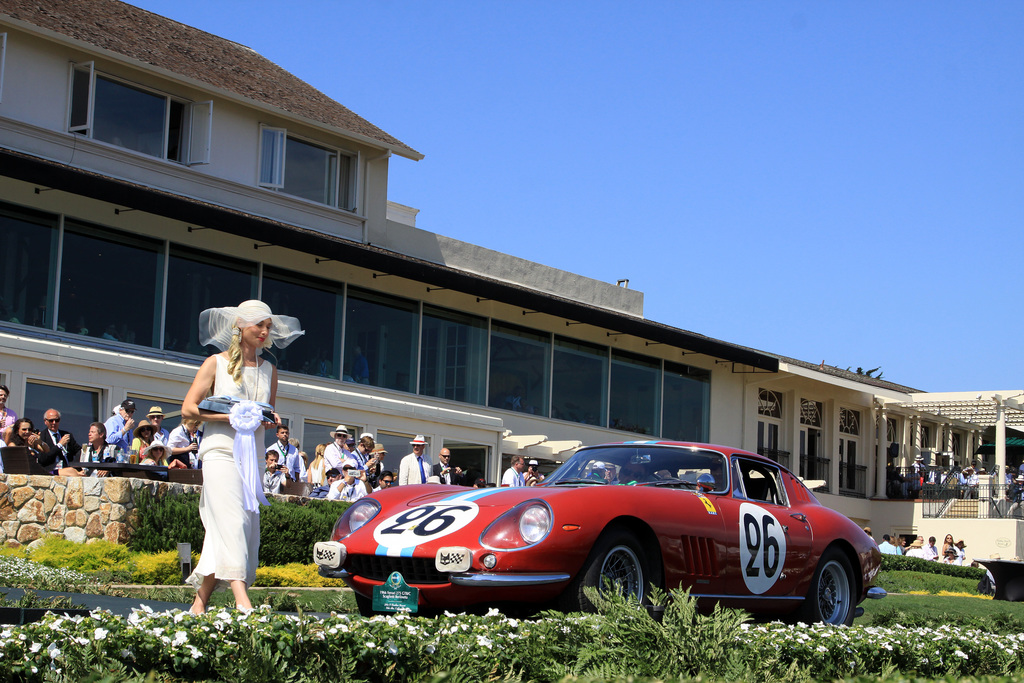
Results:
762 482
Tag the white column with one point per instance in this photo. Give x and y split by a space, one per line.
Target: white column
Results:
1000 434
880 444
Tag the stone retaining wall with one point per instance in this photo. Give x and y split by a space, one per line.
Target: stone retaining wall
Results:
79 508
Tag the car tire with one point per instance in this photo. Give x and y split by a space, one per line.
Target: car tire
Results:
618 557
830 598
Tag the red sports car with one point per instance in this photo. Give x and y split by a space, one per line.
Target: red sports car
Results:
734 527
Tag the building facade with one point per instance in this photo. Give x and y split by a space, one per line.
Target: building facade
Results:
149 170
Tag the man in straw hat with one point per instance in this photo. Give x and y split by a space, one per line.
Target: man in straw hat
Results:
415 467
336 452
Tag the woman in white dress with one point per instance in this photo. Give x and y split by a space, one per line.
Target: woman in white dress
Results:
232 492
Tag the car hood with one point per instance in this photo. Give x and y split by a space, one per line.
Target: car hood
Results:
423 494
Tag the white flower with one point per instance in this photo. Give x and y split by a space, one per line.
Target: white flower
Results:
82 641
960 654
180 638
53 650
483 642
370 645
36 647
100 633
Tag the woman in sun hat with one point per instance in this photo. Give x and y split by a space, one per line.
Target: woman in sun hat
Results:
232 486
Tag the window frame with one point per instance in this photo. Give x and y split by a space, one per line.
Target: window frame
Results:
3 62
344 185
199 142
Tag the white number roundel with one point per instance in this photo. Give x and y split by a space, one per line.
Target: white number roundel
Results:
762 548
423 523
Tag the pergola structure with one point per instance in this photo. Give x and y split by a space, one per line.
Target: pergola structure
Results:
986 409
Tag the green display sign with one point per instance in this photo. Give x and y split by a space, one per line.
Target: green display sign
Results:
396 596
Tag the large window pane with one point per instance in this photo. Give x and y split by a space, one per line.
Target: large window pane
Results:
579 391
111 284
129 117
310 172
453 358
27 264
380 340
196 281
78 407
520 368
635 400
687 401
317 305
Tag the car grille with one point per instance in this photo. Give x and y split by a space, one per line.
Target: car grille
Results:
379 568
700 556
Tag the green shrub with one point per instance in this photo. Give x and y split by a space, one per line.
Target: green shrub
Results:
164 521
287 530
916 564
159 569
914 581
57 551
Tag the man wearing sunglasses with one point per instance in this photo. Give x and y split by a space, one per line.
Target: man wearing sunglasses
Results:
63 447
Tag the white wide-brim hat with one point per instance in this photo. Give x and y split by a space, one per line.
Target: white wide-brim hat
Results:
216 324
419 441
341 429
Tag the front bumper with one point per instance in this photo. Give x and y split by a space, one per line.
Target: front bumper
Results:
476 579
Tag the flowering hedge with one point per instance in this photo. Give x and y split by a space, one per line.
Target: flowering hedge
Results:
262 645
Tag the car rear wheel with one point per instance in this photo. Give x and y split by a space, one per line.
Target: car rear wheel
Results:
830 598
616 562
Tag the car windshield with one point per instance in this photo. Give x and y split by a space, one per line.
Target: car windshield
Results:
644 465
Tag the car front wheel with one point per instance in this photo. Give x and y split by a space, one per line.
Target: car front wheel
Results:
617 562
830 599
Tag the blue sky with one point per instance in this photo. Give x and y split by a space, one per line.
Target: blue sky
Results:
837 182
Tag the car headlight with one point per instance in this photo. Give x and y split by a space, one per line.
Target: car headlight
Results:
524 525
358 514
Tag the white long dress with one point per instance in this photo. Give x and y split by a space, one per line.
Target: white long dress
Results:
232 541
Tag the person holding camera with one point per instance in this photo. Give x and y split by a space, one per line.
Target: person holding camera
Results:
533 475
444 471
276 474
350 487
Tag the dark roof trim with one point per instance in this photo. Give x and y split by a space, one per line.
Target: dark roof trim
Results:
123 193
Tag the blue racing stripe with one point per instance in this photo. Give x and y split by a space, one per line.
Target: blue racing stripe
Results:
473 494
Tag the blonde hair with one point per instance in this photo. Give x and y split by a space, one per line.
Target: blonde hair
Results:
320 448
235 353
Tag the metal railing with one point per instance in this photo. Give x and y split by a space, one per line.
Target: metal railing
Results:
779 456
853 479
817 468
985 500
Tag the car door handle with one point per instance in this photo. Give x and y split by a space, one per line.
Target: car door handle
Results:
799 516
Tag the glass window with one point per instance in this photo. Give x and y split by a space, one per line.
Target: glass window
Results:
380 340
579 382
111 284
304 169
196 281
635 399
810 412
472 458
78 407
687 403
769 403
849 421
520 369
453 355
317 431
317 305
27 266
129 117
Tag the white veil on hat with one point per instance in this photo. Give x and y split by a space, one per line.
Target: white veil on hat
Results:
215 324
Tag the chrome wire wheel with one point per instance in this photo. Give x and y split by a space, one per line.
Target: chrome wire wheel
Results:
623 572
834 593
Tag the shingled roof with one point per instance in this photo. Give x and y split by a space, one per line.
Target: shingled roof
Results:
175 47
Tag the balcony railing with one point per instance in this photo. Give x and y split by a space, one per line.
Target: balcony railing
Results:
953 500
853 479
817 468
779 456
